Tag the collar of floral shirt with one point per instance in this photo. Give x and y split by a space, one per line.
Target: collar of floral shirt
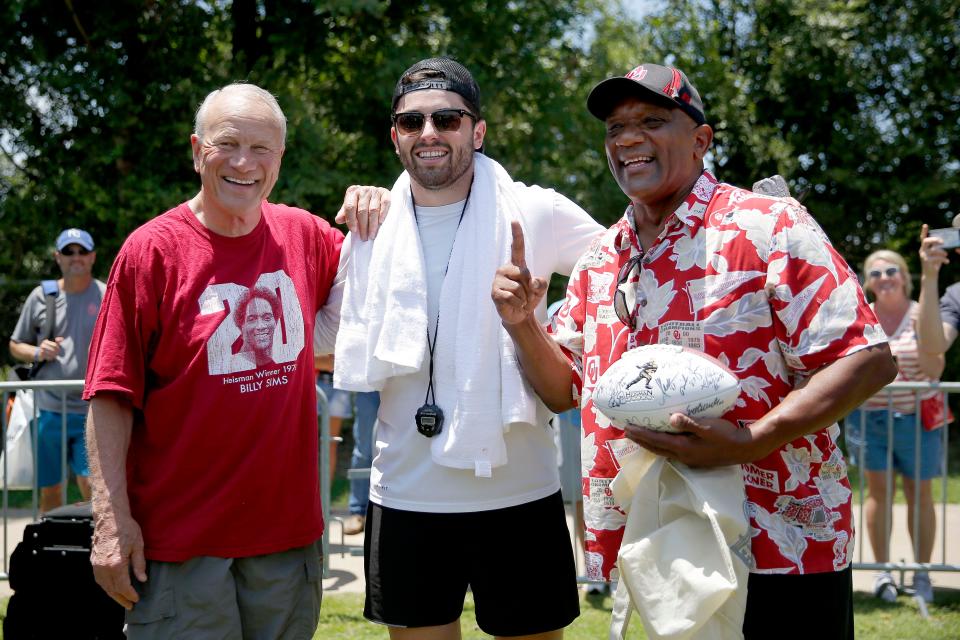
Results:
692 208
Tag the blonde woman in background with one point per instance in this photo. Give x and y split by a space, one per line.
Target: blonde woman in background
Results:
887 278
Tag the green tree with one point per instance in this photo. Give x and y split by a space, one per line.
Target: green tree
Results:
98 98
856 102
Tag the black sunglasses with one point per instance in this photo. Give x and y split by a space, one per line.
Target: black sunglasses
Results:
624 313
890 271
74 252
444 120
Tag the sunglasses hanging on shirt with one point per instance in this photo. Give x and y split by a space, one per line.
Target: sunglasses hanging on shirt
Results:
628 295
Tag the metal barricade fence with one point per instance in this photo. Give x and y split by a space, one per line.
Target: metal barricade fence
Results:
326 489
9 389
939 561
324 440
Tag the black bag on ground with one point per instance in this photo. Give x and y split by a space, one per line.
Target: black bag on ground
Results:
55 595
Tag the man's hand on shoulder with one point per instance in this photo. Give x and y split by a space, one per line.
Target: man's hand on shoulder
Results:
711 442
364 210
117 547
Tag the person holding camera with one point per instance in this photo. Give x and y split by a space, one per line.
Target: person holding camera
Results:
61 356
939 331
866 429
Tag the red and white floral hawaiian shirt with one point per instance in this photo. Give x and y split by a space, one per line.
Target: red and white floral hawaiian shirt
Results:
753 281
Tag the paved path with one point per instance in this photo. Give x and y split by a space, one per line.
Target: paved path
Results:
345 571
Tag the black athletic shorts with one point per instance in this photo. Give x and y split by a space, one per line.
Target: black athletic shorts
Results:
418 567
827 600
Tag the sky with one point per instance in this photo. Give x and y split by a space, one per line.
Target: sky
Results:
639 8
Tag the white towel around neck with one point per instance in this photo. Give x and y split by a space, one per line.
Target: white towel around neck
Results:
383 326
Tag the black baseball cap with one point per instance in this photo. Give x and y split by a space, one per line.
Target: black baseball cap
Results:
664 85
450 76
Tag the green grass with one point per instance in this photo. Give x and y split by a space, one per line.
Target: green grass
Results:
874 618
339 493
341 617
24 499
953 486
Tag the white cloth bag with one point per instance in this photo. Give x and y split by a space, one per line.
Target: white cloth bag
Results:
683 562
17 453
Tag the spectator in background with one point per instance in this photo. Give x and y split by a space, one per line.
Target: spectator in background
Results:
362 407
366 406
339 405
888 279
62 357
937 333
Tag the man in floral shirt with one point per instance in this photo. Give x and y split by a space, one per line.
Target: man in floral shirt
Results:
749 279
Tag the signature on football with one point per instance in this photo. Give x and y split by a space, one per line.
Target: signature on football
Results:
670 381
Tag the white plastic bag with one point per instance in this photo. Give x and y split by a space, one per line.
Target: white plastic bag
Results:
17 453
686 550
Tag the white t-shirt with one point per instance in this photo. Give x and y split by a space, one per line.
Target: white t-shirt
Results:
404 475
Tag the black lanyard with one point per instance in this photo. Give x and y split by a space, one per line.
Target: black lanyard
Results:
429 417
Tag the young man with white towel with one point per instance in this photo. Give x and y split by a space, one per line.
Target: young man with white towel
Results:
464 471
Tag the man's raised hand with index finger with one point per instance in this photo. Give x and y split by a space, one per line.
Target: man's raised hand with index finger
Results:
516 292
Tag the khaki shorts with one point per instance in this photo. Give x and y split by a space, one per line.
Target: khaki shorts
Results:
274 596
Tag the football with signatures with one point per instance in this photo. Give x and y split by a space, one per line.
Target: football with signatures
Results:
650 383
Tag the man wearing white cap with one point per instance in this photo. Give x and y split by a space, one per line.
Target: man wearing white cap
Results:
61 356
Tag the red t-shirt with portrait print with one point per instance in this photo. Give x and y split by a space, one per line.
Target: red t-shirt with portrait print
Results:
223 455
752 281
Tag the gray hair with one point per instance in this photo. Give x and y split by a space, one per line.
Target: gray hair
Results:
245 91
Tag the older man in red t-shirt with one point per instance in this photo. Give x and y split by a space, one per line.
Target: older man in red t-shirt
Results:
202 432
